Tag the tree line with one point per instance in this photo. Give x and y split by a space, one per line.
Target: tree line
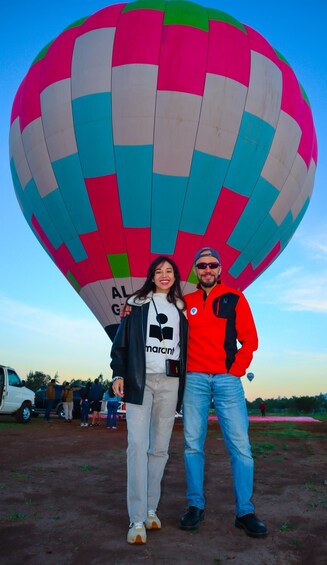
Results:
37 379
294 404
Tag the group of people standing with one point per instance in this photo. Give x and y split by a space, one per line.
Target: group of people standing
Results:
171 350
91 400
91 397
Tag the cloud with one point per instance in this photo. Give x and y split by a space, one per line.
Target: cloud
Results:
299 290
34 338
307 292
314 244
44 322
289 273
303 285
316 356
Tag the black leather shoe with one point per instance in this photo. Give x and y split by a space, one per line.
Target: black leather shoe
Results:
252 525
191 519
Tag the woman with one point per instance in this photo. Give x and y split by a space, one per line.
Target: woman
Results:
112 403
150 344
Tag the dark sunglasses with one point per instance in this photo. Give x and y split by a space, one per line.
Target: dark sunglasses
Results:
203 266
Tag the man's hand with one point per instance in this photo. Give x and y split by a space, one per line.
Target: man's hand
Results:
125 310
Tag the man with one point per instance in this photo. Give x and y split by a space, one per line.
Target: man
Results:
262 408
95 397
218 317
67 395
50 397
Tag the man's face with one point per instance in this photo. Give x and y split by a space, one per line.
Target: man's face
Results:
207 269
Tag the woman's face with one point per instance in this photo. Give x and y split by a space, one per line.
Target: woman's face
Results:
164 277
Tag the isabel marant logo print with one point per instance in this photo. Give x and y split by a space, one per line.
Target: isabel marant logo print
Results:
155 333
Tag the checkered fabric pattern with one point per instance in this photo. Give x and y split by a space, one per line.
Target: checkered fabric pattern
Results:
158 127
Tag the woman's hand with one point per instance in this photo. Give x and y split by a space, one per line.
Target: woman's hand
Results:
118 387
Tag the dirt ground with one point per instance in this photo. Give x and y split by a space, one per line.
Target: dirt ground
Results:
62 492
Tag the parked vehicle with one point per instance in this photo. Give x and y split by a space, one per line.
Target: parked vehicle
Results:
58 408
121 412
15 398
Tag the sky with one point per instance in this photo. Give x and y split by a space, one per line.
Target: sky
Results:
44 324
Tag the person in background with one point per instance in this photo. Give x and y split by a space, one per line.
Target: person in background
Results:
95 397
148 363
85 404
112 406
219 319
67 396
262 408
50 397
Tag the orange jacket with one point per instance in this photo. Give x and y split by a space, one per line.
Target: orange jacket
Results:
218 323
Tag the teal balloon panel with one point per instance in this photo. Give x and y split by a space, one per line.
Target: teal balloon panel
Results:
158 127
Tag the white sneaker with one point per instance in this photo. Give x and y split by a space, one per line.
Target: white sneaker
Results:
152 521
136 533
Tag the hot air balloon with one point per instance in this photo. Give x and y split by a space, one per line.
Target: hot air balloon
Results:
158 127
250 376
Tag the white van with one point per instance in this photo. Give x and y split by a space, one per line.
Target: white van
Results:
15 398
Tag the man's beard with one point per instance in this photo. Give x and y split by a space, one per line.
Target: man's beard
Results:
209 284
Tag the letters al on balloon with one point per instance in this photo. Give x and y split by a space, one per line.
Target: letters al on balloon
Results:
156 128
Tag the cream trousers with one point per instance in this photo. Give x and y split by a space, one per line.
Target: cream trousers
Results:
149 431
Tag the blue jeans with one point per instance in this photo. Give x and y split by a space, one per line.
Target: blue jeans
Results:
112 408
49 405
227 393
85 409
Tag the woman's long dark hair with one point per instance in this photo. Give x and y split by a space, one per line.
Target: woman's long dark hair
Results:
175 292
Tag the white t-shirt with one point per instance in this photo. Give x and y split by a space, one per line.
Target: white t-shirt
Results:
157 350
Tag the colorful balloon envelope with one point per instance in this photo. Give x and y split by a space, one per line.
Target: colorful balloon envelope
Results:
158 127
